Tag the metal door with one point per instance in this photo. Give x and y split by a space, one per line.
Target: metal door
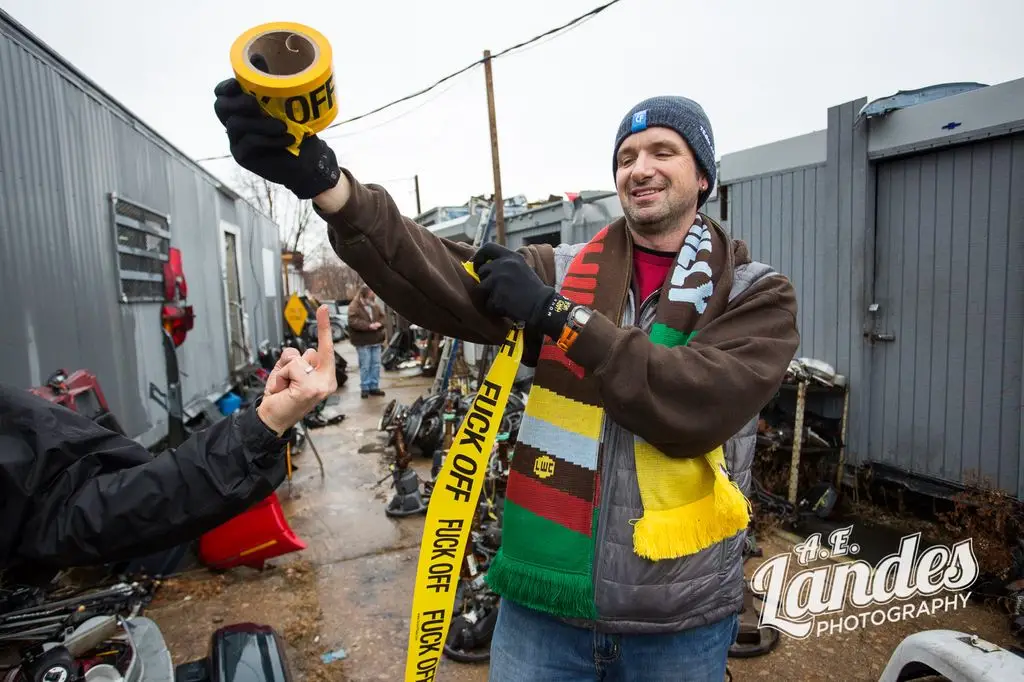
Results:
947 319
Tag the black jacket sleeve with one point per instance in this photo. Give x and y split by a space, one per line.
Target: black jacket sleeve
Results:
73 493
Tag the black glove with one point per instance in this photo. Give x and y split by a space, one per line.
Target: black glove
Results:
510 288
259 143
533 342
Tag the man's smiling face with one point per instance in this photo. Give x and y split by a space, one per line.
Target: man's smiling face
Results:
657 179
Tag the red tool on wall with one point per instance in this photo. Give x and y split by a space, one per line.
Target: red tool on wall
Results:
177 317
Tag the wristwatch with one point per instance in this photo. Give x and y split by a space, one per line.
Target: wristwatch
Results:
574 323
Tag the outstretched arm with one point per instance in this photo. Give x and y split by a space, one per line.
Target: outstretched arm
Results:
73 493
410 268
90 496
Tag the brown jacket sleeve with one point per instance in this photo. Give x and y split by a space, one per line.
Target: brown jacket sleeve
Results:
690 399
414 271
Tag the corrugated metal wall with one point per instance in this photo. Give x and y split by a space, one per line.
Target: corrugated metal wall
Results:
933 238
58 274
946 392
781 217
811 224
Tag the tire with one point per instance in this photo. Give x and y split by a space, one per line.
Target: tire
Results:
767 642
431 432
478 655
752 642
337 333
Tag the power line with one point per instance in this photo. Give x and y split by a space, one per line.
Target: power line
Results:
564 28
466 68
340 135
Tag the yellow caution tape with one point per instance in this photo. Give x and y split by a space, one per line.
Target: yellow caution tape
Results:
453 504
299 89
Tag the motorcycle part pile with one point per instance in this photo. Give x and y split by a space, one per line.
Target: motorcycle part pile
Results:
818 501
51 637
424 426
405 349
424 419
407 500
43 619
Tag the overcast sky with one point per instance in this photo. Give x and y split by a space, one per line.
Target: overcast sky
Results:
764 71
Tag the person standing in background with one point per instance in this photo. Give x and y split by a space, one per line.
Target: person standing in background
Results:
366 330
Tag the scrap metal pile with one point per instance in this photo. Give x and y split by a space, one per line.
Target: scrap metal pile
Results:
790 421
776 426
62 632
57 633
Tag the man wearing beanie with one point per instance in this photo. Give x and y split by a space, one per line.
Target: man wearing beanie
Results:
655 344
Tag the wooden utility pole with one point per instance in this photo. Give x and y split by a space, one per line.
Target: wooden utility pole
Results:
499 203
416 179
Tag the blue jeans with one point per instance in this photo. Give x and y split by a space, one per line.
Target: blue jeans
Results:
528 645
369 367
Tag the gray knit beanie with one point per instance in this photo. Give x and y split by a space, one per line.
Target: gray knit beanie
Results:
682 115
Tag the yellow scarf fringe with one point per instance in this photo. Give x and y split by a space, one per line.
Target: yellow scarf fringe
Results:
689 504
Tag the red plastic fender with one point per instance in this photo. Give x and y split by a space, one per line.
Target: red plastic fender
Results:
260 533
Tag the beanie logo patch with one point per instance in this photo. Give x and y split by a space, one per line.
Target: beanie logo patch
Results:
707 139
639 121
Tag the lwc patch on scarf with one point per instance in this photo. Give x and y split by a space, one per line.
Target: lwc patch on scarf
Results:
553 497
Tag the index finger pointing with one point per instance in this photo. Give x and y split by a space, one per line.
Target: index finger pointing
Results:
325 340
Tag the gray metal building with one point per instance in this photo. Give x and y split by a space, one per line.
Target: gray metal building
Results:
90 200
902 228
563 221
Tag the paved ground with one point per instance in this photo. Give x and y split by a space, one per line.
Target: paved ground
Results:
352 588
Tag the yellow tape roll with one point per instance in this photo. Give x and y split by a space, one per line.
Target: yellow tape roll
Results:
299 89
453 504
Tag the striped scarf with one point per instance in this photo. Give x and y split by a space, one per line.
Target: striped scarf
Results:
553 495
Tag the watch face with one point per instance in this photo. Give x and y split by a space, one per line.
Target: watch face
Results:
580 315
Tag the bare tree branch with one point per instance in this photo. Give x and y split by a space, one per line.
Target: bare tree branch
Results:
292 216
303 217
330 278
